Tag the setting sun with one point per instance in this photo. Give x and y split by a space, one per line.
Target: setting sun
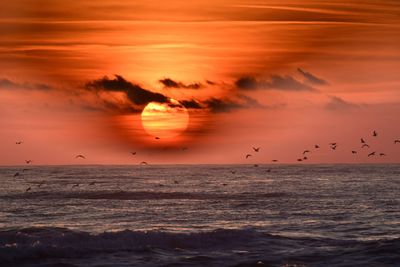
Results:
165 120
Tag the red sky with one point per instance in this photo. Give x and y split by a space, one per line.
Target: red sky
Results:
280 75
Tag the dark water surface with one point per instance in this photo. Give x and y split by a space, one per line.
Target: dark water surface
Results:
201 215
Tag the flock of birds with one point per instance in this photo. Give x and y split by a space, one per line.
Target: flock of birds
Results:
333 146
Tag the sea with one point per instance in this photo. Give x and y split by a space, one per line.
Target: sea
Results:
200 215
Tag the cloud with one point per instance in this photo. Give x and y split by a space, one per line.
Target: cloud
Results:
337 103
8 84
191 104
135 93
312 79
219 105
276 82
169 83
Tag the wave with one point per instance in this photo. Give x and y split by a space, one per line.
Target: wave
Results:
30 244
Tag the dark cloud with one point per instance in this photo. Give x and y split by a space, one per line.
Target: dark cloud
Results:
135 93
8 84
169 83
312 79
339 104
191 104
217 105
276 82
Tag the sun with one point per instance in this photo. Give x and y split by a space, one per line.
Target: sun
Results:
165 120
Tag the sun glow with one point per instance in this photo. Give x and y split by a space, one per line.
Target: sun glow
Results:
165 120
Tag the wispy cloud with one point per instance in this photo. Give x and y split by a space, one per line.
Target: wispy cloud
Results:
8 84
275 82
312 79
339 104
169 83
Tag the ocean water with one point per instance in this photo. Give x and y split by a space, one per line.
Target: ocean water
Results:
200 215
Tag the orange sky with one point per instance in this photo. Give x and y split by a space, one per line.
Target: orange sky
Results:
282 75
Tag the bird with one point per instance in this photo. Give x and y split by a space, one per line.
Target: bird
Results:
316 146
16 174
133 153
397 141
157 138
224 184
334 147
92 183
80 156
354 152
306 151
305 158
365 145
374 134
233 172
274 160
299 159
382 154
371 154
248 155
143 163
28 161
19 143
333 144
28 189
256 149
362 141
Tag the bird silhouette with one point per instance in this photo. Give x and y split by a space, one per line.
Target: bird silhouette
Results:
19 143
354 152
371 154
28 189
365 145
256 149
362 141
382 154
157 137
306 151
305 158
28 161
316 146
397 141
133 153
299 159
255 165
248 155
92 183
80 156
233 172
374 134
143 163
333 147
274 160
333 144
16 174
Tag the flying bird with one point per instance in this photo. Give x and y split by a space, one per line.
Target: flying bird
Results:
382 154
19 143
28 189
362 141
143 163
233 172
16 174
305 158
92 183
255 165
299 159
248 155
333 144
334 147
365 145
354 152
274 160
157 137
306 151
133 153
374 134
371 154
316 146
397 141
28 161
256 149
80 156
